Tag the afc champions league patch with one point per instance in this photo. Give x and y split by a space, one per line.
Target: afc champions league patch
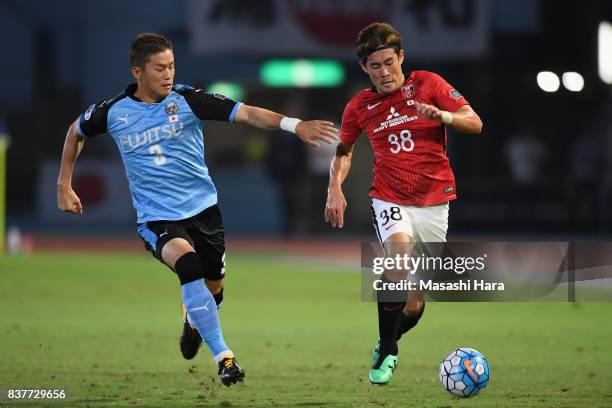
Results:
455 94
172 108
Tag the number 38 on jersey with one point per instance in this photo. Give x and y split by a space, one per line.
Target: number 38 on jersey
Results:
403 142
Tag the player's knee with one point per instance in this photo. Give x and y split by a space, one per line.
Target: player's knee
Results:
215 286
395 275
172 249
189 268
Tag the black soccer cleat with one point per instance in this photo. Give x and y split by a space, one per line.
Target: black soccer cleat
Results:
190 341
230 372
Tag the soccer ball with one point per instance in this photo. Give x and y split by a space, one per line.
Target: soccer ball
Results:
464 372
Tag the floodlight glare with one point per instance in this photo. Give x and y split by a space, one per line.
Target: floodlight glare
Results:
572 81
548 81
230 89
604 51
302 73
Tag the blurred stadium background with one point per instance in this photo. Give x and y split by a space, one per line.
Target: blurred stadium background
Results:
537 71
542 165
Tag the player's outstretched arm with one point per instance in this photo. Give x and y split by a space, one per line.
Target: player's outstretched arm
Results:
338 170
464 120
308 131
67 200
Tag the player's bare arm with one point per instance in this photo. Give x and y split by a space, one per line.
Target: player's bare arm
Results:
308 131
464 120
67 200
339 169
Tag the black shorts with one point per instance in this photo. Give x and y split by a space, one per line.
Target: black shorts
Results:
203 231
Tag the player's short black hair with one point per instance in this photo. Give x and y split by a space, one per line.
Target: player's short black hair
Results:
377 36
146 44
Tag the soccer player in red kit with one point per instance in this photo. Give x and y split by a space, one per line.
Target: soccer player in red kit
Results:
405 118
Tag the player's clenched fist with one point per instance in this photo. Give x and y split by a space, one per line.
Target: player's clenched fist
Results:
428 111
334 207
68 201
312 130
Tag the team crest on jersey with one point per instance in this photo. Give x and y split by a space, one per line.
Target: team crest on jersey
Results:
407 91
455 94
172 108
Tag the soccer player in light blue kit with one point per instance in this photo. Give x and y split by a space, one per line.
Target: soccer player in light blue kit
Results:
157 126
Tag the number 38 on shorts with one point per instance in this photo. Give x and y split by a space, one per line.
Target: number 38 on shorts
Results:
422 224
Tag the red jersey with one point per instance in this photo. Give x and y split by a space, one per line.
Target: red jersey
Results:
410 162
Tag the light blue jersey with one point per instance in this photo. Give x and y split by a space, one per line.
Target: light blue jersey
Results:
162 147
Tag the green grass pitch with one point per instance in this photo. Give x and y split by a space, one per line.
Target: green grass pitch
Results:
105 328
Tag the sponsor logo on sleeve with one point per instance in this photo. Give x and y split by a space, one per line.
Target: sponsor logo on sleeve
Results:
89 111
219 96
455 94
